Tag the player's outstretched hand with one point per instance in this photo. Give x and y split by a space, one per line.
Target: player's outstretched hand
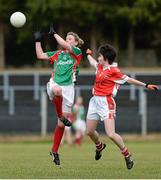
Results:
89 52
38 36
152 87
51 30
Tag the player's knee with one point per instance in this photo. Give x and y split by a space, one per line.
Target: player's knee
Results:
89 132
57 91
60 124
111 135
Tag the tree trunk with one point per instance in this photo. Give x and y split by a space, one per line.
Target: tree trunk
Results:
93 41
2 56
131 48
116 38
61 33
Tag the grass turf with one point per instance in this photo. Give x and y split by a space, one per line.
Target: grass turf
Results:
31 160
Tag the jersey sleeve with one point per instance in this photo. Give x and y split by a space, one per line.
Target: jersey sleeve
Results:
53 55
76 51
119 77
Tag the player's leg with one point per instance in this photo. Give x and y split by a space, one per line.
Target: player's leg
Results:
58 101
78 137
57 137
117 139
80 127
91 124
59 129
67 103
82 130
93 134
64 138
68 135
54 92
58 134
66 111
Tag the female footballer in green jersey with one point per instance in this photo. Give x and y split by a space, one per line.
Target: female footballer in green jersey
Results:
60 87
79 124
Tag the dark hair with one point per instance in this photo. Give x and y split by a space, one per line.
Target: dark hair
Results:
108 52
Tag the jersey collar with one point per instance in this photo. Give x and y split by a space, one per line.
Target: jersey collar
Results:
112 65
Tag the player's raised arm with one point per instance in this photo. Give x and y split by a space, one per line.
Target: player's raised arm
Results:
39 51
139 83
59 39
92 61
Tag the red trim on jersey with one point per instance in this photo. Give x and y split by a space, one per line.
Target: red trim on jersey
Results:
55 57
74 71
111 106
78 57
111 103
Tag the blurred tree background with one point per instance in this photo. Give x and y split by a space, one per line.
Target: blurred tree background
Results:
129 25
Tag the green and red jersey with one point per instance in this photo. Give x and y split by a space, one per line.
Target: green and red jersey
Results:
65 65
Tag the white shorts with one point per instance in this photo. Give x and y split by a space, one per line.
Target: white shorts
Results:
101 108
80 125
67 93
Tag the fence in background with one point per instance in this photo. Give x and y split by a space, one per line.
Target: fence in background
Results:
5 86
40 94
44 108
142 107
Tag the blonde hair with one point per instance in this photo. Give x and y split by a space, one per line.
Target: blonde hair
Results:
77 38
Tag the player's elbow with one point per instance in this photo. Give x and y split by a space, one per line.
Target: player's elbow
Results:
41 56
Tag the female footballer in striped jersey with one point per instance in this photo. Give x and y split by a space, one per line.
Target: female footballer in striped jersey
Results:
102 105
60 87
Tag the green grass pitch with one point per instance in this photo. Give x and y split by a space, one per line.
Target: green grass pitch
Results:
31 160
